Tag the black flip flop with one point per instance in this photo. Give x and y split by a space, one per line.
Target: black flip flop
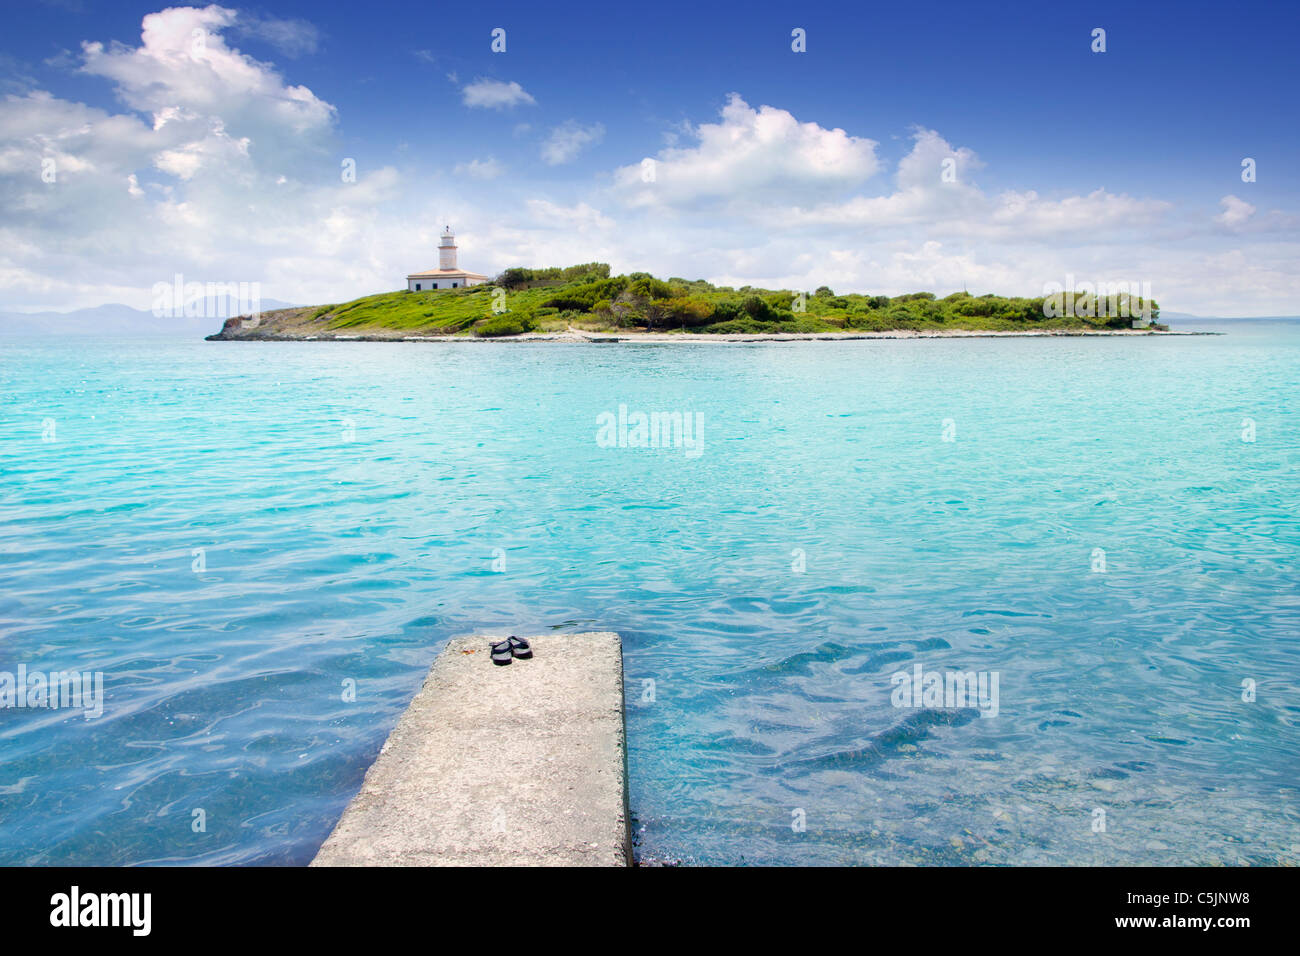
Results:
520 648
501 652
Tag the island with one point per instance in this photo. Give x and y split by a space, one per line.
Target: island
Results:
584 302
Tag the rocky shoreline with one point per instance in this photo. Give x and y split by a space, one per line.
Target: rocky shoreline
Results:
238 330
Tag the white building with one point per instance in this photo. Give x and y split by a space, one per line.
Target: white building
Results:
447 275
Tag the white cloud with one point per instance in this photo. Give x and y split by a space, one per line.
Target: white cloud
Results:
934 161
293 38
731 201
1236 212
568 140
218 167
1099 216
495 94
230 173
580 217
209 95
750 156
935 188
479 169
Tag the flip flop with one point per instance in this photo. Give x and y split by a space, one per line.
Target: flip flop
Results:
501 652
520 648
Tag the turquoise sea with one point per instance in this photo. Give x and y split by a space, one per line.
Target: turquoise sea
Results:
235 533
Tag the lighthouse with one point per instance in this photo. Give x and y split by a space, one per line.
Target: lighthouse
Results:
448 275
447 251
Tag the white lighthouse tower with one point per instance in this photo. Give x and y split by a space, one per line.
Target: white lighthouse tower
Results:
447 251
448 275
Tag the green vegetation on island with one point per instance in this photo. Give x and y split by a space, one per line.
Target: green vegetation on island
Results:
588 298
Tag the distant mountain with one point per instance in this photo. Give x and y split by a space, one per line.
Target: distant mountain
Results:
1188 317
122 320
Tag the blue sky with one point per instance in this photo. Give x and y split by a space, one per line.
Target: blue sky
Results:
774 167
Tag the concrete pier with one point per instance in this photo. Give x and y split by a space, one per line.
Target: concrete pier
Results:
500 766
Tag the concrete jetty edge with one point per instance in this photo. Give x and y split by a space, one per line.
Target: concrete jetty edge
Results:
524 764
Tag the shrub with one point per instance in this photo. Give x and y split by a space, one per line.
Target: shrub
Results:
505 325
868 322
645 286
726 310
512 278
692 312
755 307
787 322
781 300
517 277
734 326
584 297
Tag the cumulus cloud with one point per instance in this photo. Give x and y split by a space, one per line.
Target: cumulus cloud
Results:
934 161
186 77
930 226
1236 212
217 166
1240 218
752 154
569 139
495 94
935 187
